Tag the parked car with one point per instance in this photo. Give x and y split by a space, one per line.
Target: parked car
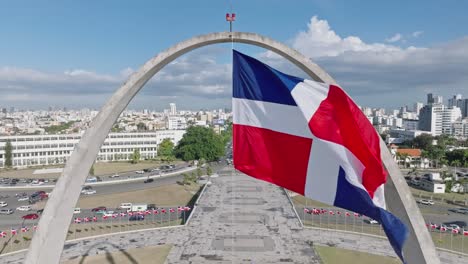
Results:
30 216
125 206
371 221
426 202
459 210
109 213
89 192
148 180
151 207
98 209
139 172
136 218
114 176
40 211
6 211
3 204
77 211
24 208
22 199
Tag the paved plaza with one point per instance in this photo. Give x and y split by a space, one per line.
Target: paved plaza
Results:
237 220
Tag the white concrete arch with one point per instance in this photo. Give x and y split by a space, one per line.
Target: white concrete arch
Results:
47 243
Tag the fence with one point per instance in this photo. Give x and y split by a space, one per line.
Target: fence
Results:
15 239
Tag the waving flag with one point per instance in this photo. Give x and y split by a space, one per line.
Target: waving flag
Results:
310 138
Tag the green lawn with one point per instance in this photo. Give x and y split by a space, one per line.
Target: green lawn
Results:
333 255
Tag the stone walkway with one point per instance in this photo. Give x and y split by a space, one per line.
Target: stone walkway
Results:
243 220
238 220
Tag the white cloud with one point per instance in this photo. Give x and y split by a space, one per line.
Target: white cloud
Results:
382 74
395 38
320 41
416 34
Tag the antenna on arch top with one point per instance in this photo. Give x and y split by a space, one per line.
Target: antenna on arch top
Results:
230 17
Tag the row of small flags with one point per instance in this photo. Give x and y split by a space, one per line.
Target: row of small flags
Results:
330 212
14 231
443 229
79 220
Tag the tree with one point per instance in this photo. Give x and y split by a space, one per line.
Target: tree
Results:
136 156
141 126
199 142
165 148
423 141
8 154
209 171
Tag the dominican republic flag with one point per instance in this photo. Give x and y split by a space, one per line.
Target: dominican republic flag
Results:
310 138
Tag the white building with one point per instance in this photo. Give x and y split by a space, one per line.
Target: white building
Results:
176 123
460 129
417 107
173 109
36 150
438 118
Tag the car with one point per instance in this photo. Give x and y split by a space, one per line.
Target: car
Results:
24 208
146 170
37 183
109 213
99 209
22 199
151 207
371 221
3 204
148 180
426 202
89 192
40 211
459 210
136 218
139 172
114 176
87 187
125 206
30 216
77 211
6 211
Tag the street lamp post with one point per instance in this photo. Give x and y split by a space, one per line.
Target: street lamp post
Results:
230 18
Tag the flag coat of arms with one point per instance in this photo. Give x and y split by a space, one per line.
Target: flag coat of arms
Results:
310 138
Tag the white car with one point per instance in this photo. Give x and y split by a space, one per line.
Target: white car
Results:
24 208
3 204
77 211
88 192
37 183
114 176
109 213
24 198
426 202
140 172
372 221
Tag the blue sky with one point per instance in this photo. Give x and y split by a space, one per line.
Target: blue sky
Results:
75 53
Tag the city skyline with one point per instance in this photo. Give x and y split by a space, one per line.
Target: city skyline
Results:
78 58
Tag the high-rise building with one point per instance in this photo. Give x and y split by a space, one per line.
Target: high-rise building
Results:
438 119
459 102
417 107
431 99
173 109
